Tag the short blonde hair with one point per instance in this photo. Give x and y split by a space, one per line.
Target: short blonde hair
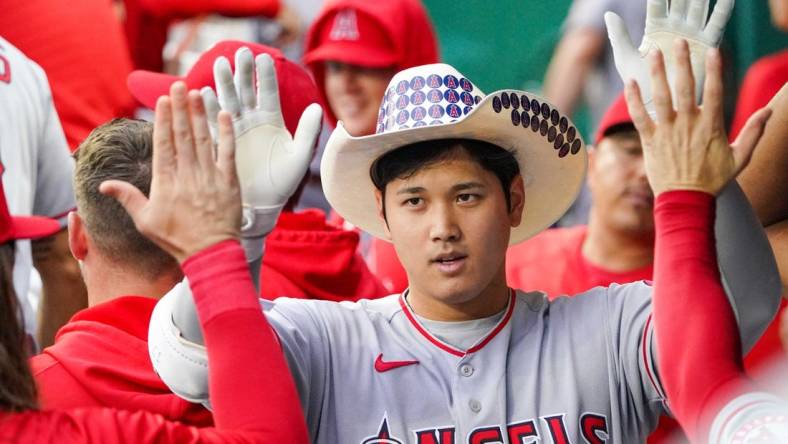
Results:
121 150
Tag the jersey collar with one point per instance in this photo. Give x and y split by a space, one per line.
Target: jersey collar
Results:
447 347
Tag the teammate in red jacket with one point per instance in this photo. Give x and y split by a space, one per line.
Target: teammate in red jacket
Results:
214 262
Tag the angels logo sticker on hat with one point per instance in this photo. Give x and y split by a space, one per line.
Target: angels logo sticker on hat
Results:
345 26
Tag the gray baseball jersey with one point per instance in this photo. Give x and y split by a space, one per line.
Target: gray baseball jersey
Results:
570 371
34 152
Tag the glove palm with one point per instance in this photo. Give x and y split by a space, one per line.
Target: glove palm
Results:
270 163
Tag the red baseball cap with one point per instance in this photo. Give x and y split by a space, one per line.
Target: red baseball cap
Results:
351 36
19 227
616 115
297 90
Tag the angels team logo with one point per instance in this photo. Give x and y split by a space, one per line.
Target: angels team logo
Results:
383 436
345 26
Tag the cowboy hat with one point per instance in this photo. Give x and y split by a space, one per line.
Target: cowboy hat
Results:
433 102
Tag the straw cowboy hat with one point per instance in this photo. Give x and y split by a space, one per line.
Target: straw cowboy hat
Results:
433 102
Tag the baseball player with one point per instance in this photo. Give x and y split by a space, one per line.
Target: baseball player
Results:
458 357
33 149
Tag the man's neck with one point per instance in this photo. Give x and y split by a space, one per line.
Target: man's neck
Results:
616 250
490 301
106 281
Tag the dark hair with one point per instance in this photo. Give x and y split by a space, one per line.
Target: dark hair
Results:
17 387
121 149
403 162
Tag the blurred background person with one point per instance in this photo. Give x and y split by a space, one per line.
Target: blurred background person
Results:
81 47
36 171
352 49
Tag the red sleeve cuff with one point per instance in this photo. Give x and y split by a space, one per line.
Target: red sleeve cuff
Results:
220 281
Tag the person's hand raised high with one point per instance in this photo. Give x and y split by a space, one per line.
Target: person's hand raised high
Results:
194 200
686 147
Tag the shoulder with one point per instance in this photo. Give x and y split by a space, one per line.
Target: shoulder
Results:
20 67
613 298
329 311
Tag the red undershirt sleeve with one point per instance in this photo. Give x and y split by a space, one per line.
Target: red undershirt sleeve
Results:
697 338
250 384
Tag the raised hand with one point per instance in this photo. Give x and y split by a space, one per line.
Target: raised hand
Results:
686 148
194 200
271 163
684 19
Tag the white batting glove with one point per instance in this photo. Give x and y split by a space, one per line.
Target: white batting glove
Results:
270 162
684 19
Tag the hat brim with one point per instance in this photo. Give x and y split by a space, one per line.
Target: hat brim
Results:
553 176
33 227
148 86
346 53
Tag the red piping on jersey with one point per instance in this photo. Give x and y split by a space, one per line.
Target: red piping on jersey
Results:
646 361
448 348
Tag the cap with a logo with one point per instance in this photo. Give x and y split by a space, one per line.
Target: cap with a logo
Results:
297 90
372 34
615 116
433 102
22 227
353 37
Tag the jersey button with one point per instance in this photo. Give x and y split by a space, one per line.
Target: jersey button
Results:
466 370
475 406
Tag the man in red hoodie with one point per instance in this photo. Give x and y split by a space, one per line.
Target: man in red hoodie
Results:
100 358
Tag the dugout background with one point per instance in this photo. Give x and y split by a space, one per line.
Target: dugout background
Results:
508 43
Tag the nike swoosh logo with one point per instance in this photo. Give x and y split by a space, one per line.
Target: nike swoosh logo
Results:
383 366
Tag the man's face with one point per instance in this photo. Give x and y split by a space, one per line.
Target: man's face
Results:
450 226
622 198
354 95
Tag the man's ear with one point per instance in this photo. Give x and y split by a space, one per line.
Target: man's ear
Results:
517 200
77 237
380 204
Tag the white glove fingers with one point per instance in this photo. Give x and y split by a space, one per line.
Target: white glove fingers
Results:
697 13
268 90
656 9
211 103
225 86
678 9
244 77
718 20
623 48
306 135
